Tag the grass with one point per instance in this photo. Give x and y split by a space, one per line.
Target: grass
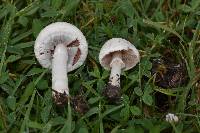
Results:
153 26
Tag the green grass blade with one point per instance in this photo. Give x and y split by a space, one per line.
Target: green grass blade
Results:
68 124
160 26
4 37
27 114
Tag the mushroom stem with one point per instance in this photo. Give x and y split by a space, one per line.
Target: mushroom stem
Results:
59 70
116 66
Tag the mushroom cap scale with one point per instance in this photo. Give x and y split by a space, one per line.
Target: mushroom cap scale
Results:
130 55
57 33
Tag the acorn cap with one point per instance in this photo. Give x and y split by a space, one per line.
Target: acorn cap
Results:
57 33
130 55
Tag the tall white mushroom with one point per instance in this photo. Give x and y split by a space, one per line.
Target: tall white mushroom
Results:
118 55
61 47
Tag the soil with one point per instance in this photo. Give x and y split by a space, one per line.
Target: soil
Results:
60 99
112 93
79 104
168 74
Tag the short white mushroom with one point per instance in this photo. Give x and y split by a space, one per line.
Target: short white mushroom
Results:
117 54
171 118
61 47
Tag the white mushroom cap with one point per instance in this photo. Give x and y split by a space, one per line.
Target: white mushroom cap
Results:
171 117
130 55
57 33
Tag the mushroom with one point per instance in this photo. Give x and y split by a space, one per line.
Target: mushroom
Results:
171 118
118 55
61 47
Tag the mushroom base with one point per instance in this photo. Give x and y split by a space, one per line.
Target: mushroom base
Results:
79 104
112 93
60 99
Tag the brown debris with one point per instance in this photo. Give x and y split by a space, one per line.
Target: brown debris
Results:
60 99
188 32
80 104
169 75
112 93
173 39
113 19
165 6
